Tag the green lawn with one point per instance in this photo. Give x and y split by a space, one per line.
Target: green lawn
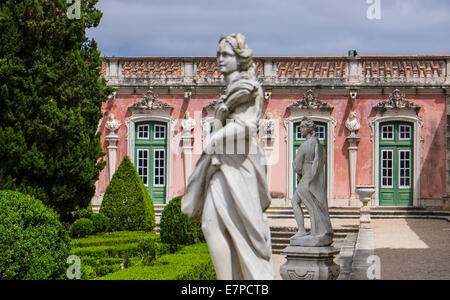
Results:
102 254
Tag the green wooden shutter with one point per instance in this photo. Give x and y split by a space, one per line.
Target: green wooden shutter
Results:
396 164
151 158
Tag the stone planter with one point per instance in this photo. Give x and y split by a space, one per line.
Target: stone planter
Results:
365 193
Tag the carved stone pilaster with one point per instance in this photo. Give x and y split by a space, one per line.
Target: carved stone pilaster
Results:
188 125
187 153
353 158
266 131
353 126
112 125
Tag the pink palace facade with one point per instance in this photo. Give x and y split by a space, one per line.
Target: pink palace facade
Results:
401 104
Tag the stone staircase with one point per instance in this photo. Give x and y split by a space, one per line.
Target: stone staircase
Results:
285 212
281 234
158 212
281 237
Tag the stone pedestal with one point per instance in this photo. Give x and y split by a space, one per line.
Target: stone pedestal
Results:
268 149
310 263
112 125
353 142
112 139
365 195
187 152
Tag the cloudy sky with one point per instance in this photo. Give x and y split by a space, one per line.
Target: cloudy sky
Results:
274 27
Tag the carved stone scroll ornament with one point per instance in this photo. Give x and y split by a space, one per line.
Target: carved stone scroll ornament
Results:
150 102
310 101
396 100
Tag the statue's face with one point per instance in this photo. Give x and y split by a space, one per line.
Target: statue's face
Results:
227 59
304 129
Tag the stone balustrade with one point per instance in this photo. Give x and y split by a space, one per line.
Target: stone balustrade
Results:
341 71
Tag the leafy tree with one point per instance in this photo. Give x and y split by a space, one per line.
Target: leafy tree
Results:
51 94
34 245
126 202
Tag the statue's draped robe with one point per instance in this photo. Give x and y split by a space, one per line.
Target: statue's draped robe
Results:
309 163
235 184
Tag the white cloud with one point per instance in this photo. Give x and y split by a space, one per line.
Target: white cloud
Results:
273 28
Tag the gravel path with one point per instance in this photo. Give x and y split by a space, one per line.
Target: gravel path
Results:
412 249
409 249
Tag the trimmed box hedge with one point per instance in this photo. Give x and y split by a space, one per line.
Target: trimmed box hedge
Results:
190 263
176 229
104 253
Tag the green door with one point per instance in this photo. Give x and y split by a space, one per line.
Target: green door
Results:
396 164
299 139
151 158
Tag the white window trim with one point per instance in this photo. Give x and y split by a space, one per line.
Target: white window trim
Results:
159 115
392 131
404 187
392 177
316 116
148 159
303 139
154 166
148 132
154 132
390 116
399 133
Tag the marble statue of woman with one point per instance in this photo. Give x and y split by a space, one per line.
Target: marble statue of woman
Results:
228 192
309 164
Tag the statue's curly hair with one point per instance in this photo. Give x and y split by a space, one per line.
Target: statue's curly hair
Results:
308 124
244 54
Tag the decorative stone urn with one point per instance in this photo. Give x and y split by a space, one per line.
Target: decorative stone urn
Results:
365 193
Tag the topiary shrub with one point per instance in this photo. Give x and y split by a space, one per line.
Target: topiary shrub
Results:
101 222
152 250
127 202
81 228
84 213
34 245
176 229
